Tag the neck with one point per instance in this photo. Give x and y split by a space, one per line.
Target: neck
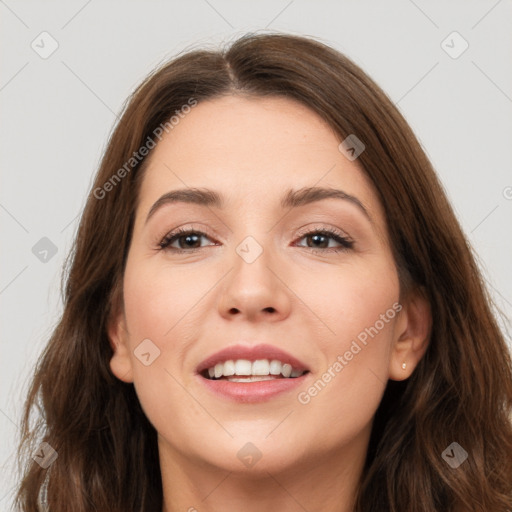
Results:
327 481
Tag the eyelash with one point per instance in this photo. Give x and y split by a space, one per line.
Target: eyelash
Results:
345 242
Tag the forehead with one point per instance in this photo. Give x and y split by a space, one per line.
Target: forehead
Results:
252 150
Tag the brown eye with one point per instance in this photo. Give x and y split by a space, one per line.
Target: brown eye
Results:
188 240
320 240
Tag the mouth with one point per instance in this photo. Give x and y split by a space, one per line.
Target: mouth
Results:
244 370
251 373
243 363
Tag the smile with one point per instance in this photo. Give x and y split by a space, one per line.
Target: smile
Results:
244 370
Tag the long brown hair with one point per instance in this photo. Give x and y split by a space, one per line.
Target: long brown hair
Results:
461 391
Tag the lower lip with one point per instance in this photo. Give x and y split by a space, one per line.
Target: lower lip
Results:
250 392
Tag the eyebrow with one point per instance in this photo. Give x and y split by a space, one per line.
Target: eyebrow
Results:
291 199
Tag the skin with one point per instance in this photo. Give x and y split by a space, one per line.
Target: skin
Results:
192 304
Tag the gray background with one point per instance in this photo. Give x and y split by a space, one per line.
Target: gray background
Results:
58 112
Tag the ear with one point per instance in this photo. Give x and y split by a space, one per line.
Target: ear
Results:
412 335
121 362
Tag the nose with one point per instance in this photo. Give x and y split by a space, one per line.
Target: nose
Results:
255 291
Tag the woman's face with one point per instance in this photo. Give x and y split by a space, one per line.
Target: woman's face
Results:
273 264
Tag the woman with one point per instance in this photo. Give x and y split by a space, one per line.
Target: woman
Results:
270 303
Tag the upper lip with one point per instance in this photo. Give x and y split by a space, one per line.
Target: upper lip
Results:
252 353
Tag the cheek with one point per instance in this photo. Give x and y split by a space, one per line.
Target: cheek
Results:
157 297
359 306
349 299
158 304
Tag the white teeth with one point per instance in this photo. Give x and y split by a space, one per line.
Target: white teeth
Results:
229 368
287 370
260 367
251 379
256 370
243 367
275 367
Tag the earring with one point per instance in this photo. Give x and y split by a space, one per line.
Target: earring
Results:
404 366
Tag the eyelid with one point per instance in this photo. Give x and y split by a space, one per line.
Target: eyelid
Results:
322 227
182 230
344 240
341 237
